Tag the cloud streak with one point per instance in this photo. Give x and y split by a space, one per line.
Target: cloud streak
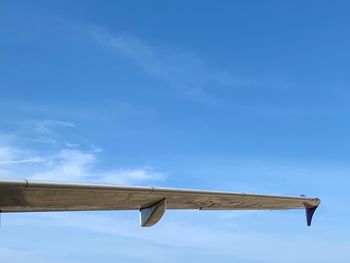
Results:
182 71
71 165
10 156
47 126
68 162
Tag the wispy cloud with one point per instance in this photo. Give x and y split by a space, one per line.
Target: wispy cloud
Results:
125 176
66 165
15 156
67 162
22 161
71 165
76 165
183 71
46 126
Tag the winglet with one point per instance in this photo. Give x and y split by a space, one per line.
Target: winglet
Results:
309 211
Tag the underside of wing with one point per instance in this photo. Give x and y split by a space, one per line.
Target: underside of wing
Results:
41 196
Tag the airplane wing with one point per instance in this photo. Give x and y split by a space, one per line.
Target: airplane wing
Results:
46 196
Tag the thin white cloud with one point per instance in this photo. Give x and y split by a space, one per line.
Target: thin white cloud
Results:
183 71
72 165
71 145
124 176
22 161
36 131
7 154
68 163
14 156
46 126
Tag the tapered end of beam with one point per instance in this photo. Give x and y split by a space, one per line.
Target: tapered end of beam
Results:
149 216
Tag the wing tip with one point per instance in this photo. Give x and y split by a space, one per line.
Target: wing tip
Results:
309 211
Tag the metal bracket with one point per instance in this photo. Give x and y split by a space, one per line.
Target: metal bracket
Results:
151 215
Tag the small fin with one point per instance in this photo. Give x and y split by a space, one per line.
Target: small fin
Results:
309 211
151 215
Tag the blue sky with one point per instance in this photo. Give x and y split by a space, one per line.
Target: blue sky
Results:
239 96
